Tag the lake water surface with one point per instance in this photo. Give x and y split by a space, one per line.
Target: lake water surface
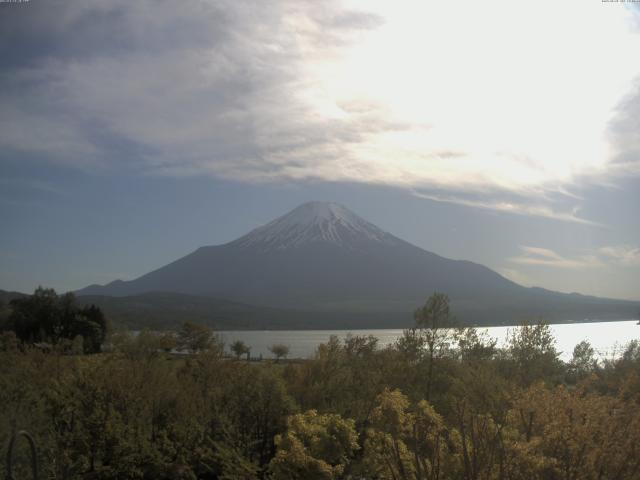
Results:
607 338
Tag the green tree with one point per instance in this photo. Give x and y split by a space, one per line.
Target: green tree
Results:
475 346
583 362
344 377
239 348
279 351
532 350
48 317
195 338
91 324
435 323
255 404
410 345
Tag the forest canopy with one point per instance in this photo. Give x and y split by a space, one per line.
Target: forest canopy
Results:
46 317
440 403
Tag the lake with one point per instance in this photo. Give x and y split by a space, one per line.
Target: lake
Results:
607 338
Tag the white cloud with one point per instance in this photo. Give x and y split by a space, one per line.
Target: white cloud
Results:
621 255
624 255
411 94
539 256
536 209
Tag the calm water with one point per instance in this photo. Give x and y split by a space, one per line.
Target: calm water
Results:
606 337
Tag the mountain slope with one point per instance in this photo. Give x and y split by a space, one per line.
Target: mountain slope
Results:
321 256
317 254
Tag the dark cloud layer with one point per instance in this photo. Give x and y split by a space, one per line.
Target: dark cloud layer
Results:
171 88
75 30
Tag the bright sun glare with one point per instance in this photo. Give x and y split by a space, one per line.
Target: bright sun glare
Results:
491 92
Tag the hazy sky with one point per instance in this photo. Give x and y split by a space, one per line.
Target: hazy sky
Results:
503 132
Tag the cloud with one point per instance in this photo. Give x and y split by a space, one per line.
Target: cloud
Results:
624 255
413 96
516 276
518 207
545 257
624 133
215 88
604 256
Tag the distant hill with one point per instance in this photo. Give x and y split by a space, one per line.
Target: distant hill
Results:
164 310
323 259
161 310
6 296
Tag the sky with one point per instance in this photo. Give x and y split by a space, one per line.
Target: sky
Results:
502 132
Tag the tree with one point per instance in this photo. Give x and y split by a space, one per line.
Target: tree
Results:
195 338
91 324
573 435
583 361
279 350
532 349
410 345
167 341
48 317
255 408
474 346
434 322
35 318
408 442
315 447
4 315
239 348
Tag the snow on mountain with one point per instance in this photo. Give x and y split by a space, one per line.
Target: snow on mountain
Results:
315 222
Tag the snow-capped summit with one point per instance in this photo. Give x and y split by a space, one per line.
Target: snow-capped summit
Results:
316 222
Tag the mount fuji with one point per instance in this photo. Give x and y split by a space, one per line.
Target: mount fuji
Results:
322 257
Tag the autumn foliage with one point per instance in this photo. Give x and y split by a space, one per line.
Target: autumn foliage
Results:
440 404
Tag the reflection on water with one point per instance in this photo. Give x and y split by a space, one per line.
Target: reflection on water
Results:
605 337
